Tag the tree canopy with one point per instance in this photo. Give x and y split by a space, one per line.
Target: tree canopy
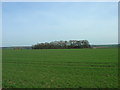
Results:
63 44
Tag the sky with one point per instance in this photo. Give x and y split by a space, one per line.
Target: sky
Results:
28 23
0 25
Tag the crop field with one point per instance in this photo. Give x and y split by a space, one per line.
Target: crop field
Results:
60 68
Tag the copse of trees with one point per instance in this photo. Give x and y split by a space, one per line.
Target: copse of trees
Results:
63 44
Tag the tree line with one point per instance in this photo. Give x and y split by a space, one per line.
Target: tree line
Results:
63 44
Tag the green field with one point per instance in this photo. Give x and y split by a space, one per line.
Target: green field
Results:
60 68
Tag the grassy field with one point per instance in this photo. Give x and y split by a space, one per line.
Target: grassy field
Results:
60 68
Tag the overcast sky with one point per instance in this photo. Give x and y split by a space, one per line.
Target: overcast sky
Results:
30 23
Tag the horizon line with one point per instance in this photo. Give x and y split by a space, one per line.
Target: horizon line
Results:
31 45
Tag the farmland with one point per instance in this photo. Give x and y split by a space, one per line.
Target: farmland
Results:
60 68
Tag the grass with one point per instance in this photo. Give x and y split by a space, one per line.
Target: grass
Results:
60 68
